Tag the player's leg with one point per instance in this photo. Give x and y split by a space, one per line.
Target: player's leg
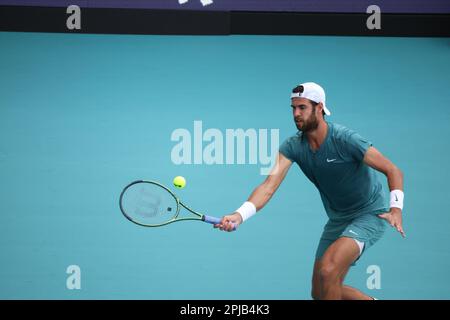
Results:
323 245
316 287
334 265
332 232
348 293
365 230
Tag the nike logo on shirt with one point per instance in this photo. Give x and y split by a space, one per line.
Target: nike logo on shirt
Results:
330 160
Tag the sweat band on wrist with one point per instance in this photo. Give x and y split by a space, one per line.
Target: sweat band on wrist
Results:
397 197
247 210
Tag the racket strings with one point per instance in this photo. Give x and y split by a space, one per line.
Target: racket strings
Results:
149 204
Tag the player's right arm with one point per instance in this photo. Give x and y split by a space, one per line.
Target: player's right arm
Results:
261 194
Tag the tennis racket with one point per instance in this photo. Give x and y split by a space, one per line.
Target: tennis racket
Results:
150 204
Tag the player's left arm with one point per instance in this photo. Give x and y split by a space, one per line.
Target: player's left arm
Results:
376 160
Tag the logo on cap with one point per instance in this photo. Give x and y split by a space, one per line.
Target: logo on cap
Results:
311 91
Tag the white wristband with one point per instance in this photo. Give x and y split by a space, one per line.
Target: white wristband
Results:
247 210
397 197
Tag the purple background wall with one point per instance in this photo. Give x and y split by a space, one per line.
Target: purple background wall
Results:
387 6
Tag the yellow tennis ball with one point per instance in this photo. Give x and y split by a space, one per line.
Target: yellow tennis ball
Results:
179 182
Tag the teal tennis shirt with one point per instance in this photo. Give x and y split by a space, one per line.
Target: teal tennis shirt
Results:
348 187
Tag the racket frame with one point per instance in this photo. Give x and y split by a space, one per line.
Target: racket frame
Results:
200 216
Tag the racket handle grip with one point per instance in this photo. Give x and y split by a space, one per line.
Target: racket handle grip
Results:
214 220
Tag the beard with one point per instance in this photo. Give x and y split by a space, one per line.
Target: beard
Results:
307 125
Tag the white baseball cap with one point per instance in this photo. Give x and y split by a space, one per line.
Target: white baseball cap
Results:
311 91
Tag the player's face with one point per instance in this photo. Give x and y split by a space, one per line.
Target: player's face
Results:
304 114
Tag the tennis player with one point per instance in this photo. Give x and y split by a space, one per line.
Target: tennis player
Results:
341 164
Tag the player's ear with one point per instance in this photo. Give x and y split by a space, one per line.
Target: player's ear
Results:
320 108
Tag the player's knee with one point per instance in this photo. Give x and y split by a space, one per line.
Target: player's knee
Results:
329 273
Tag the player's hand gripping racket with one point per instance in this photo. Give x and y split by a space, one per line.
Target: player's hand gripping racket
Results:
150 204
